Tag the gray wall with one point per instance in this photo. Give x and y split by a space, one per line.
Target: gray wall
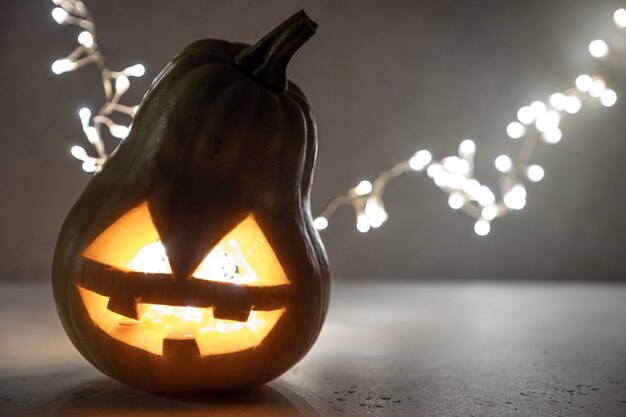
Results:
385 78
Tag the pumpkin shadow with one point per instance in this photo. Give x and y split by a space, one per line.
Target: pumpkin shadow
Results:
103 397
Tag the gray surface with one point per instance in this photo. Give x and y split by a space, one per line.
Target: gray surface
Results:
389 350
385 78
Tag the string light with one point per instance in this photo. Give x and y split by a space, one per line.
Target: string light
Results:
364 187
515 130
598 48
619 17
420 160
584 82
482 227
534 173
608 98
526 115
489 213
114 83
572 104
537 122
503 163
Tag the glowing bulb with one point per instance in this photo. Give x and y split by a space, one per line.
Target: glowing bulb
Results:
464 167
489 213
85 39
583 82
548 121
90 165
471 187
136 70
572 104
537 107
420 160
456 201
597 87
485 196
598 48
455 181
62 65
467 148
441 179
534 173
515 130
557 100
503 163
364 187
434 170
92 134
519 190
59 15
482 227
121 84
320 223
526 115
455 164
553 136
516 198
79 152
85 115
608 98
619 17
119 131
362 223
376 214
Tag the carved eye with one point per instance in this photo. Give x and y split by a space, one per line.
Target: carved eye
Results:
132 243
243 256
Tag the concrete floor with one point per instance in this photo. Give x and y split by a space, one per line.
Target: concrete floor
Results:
422 349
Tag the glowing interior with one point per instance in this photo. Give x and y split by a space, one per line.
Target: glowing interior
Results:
243 256
118 244
158 322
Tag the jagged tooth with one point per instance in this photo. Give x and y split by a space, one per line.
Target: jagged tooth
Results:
182 348
230 314
124 305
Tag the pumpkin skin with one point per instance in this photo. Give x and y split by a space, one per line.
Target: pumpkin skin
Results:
220 137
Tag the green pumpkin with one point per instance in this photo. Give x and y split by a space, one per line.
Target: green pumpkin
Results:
190 261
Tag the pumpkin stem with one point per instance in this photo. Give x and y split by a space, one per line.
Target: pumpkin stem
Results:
266 61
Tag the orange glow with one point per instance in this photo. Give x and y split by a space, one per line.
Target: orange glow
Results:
160 322
246 248
243 256
119 244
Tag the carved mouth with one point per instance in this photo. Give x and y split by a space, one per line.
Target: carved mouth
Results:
159 328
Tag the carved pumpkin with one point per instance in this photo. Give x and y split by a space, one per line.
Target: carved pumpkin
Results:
190 261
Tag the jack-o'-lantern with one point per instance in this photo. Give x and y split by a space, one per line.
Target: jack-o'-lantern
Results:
190 261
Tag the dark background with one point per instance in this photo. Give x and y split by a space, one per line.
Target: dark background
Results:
385 79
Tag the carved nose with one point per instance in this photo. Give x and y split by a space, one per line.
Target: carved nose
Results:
189 226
